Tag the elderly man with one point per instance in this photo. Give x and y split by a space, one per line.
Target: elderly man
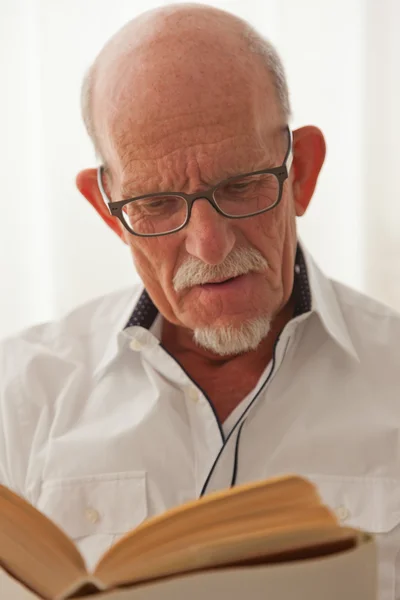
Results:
237 359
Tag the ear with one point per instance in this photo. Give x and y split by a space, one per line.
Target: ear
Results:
308 157
86 182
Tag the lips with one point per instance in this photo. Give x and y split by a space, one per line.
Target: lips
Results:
224 284
219 281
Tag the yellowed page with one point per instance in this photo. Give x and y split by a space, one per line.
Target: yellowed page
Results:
238 542
34 549
223 507
37 552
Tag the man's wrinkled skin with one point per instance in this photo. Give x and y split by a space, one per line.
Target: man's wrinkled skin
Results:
180 103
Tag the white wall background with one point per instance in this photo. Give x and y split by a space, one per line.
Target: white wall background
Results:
342 60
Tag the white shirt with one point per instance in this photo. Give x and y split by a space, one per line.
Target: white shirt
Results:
100 427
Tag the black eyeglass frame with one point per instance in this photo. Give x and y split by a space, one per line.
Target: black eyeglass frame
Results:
281 173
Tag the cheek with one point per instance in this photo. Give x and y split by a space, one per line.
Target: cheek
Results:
266 233
154 259
272 233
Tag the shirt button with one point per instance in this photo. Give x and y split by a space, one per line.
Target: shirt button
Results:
92 515
342 513
135 345
193 394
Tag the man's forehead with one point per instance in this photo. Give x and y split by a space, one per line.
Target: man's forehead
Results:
195 167
161 90
160 119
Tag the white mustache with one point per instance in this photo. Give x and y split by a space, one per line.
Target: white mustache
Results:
239 262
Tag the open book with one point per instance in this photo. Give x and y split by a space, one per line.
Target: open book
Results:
281 520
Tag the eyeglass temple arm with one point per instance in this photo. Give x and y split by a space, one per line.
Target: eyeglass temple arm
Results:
106 199
289 154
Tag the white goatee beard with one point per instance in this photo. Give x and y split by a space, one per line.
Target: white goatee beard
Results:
228 340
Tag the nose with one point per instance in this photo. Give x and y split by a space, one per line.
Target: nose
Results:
210 236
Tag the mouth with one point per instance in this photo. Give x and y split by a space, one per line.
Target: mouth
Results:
220 281
222 284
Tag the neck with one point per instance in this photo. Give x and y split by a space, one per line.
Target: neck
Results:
233 377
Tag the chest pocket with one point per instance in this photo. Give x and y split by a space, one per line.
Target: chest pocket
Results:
95 511
373 505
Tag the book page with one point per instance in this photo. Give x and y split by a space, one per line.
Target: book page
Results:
348 575
12 589
222 508
258 536
34 550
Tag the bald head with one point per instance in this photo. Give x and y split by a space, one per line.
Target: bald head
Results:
175 62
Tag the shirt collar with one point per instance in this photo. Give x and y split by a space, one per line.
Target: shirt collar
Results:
313 293
324 302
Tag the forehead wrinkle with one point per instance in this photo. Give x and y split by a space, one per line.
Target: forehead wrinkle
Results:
143 139
134 140
193 176
155 109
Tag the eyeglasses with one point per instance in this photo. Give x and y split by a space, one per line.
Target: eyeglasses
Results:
239 197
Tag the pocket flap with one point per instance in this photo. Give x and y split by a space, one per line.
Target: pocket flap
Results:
111 504
371 504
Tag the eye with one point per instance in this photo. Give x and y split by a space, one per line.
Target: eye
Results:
240 185
156 203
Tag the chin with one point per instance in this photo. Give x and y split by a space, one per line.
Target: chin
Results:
231 340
